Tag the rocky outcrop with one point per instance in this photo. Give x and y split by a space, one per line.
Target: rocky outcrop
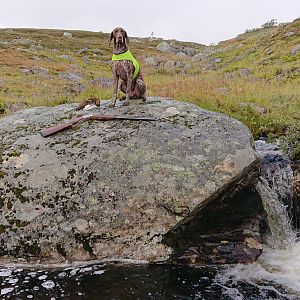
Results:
173 48
295 49
152 61
116 189
67 34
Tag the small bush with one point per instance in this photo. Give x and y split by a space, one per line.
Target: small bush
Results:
269 24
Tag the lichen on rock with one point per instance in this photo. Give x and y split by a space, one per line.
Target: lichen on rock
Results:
114 189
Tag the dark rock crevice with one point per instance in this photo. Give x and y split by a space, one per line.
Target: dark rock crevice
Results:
226 229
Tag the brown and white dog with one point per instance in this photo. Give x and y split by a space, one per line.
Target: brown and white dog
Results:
134 88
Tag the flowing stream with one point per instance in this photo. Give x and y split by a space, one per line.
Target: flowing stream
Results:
276 274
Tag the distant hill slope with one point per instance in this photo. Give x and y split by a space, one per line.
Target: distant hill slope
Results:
270 52
266 53
254 77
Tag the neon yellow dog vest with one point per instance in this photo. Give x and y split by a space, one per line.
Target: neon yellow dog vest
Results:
128 56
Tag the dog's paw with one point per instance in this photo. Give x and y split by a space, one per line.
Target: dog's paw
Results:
126 103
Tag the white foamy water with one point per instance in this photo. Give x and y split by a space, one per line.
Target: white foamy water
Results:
274 266
5 272
275 189
279 263
6 291
282 236
49 284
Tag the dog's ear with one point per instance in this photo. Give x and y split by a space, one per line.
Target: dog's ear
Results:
126 39
111 37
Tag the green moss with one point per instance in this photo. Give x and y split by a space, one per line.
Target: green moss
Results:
76 143
17 174
72 172
2 108
2 174
83 240
18 193
14 153
18 223
101 184
9 205
2 228
32 249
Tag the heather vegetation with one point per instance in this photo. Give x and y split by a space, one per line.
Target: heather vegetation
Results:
254 77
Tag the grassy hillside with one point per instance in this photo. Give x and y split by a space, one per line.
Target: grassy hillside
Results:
254 77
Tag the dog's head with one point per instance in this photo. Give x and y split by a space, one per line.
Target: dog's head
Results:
120 37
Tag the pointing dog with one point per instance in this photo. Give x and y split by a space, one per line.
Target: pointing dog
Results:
126 68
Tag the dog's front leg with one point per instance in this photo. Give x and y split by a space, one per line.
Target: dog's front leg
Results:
114 99
128 90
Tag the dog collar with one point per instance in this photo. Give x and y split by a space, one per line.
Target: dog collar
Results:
128 56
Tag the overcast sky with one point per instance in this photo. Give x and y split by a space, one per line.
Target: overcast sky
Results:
208 21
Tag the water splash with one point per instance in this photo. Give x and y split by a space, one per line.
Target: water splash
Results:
278 268
275 189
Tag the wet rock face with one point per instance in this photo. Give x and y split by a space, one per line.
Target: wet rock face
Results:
223 232
106 190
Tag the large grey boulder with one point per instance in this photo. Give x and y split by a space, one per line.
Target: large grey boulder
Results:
166 47
152 61
110 190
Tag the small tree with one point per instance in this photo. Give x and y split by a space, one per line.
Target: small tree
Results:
269 24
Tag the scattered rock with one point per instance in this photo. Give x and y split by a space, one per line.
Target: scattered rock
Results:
22 41
259 109
288 34
199 57
217 60
229 75
26 71
280 76
151 61
2 83
35 70
187 68
67 34
83 51
170 64
67 57
295 49
70 76
270 52
102 82
165 47
175 65
181 54
188 51
88 51
208 51
76 88
222 90
245 72
36 47
183 49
